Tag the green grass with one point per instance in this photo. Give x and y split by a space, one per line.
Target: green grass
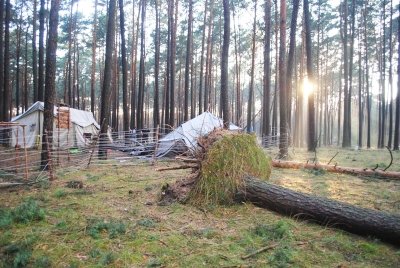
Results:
108 226
26 212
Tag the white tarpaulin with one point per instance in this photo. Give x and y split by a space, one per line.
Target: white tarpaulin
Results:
82 126
187 133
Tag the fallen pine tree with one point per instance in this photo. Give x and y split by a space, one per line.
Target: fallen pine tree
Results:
321 210
230 167
369 172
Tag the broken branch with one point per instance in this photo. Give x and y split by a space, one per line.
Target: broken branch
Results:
178 167
263 249
391 158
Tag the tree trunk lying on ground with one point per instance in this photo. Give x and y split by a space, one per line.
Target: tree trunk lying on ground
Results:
322 210
230 167
338 169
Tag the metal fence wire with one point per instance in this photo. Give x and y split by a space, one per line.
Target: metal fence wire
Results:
21 151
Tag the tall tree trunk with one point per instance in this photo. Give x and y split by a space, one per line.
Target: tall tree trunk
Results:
368 96
202 59
193 85
41 51
189 56
106 89
266 126
156 108
276 92
347 129
283 101
238 103
135 35
397 119
125 106
7 90
382 110
291 65
224 65
140 112
50 82
173 59
26 84
93 73
207 79
2 92
34 53
360 94
168 67
390 132
310 73
17 71
346 142
250 102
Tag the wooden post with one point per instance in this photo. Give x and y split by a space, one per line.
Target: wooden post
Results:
49 160
156 146
26 154
58 134
16 150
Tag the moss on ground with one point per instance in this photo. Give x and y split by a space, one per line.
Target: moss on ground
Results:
226 162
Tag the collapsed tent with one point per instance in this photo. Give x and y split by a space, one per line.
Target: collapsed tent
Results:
72 127
185 136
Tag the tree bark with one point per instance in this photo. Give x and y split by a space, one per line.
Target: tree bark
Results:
266 125
34 53
106 89
397 117
50 82
18 69
290 61
157 37
322 210
207 78
124 70
41 51
250 102
93 73
367 76
224 65
2 99
311 145
7 90
140 110
346 141
390 131
188 61
135 35
283 96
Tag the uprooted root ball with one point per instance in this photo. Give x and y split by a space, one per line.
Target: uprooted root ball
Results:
225 158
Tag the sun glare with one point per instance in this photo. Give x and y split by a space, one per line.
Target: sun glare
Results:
308 87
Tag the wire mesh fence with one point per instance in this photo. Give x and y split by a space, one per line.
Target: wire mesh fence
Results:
22 151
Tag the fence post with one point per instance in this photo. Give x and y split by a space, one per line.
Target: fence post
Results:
49 160
26 153
16 150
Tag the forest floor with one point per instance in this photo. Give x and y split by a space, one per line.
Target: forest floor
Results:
115 220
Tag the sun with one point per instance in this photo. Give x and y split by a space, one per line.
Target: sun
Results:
308 87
